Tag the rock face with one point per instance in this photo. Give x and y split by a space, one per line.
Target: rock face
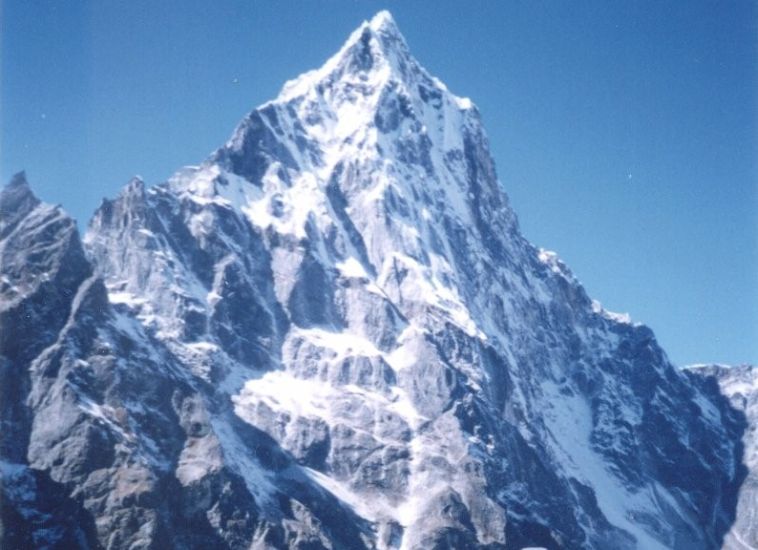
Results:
740 386
331 334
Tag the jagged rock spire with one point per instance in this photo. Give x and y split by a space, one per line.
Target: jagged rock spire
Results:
16 201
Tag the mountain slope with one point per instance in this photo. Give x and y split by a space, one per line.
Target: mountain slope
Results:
107 441
370 354
740 386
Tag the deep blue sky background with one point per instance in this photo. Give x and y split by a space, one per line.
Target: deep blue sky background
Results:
624 132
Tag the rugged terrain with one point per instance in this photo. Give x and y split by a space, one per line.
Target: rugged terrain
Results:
332 334
740 385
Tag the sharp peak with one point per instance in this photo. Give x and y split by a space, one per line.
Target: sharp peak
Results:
18 186
374 58
18 179
386 35
380 26
16 196
383 22
374 44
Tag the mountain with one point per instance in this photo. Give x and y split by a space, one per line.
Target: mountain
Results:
740 385
332 334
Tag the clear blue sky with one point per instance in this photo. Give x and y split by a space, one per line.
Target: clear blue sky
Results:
624 132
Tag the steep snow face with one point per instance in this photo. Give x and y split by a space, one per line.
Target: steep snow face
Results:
740 386
380 358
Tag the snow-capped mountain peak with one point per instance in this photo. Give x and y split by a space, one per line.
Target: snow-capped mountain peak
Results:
375 51
353 346
369 87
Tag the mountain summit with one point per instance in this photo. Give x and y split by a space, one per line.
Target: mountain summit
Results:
332 334
375 47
